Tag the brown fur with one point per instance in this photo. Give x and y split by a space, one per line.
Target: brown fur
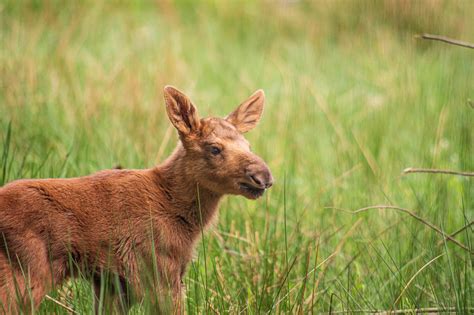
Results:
122 220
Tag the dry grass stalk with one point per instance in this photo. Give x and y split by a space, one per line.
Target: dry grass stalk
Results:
410 170
70 310
411 213
457 232
446 40
425 310
413 278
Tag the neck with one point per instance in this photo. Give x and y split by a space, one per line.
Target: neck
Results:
189 201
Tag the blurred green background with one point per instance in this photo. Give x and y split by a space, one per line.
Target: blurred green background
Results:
353 98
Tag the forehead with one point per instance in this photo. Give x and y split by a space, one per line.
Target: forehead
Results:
220 128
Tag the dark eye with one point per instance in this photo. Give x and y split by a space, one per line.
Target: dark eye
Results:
215 150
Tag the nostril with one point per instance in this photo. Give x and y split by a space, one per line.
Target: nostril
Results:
256 180
269 181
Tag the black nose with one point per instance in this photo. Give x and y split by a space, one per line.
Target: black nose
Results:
257 180
262 179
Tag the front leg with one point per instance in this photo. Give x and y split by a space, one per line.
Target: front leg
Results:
168 285
178 296
111 294
116 291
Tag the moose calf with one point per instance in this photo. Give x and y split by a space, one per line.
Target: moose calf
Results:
124 221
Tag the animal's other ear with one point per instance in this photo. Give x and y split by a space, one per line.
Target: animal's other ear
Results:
181 111
247 115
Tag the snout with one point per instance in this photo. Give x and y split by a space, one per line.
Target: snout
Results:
260 177
256 178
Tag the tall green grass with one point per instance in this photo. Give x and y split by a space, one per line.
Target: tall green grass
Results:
352 100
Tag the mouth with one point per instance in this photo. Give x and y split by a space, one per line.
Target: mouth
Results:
251 191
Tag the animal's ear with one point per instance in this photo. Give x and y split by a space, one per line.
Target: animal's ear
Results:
247 115
181 111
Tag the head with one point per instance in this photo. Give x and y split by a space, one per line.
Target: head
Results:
218 156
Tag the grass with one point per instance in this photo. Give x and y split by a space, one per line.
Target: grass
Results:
352 100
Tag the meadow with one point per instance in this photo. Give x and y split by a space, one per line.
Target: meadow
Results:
352 99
